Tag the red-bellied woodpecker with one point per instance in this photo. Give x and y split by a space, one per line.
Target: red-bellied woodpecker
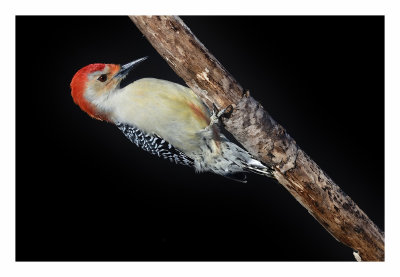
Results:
163 118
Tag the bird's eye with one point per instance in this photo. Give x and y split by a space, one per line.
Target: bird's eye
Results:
102 78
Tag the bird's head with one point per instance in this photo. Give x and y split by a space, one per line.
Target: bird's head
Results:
95 82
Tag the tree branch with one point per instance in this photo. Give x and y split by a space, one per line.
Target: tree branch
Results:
264 138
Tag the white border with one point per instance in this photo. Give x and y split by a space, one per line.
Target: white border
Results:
9 267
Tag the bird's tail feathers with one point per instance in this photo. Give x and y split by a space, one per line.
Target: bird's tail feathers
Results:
257 167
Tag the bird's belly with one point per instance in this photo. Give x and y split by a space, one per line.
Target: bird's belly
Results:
180 128
163 108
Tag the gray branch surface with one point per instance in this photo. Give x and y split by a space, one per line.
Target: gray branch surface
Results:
262 136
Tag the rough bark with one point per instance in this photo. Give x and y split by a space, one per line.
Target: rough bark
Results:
264 138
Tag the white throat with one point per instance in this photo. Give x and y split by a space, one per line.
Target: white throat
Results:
103 103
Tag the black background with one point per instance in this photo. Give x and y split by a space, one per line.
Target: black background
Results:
85 193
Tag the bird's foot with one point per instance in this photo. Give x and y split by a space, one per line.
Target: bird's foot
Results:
214 118
216 115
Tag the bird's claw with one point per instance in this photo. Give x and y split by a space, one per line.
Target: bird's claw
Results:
214 118
216 115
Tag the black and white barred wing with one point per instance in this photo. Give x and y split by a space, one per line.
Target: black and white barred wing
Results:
154 145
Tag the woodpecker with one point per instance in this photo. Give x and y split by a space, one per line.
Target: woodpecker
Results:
164 118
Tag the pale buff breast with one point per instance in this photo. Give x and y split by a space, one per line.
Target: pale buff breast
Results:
164 108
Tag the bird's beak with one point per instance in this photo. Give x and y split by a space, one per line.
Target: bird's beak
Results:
124 70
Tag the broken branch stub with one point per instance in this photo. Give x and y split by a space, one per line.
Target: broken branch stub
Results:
262 136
